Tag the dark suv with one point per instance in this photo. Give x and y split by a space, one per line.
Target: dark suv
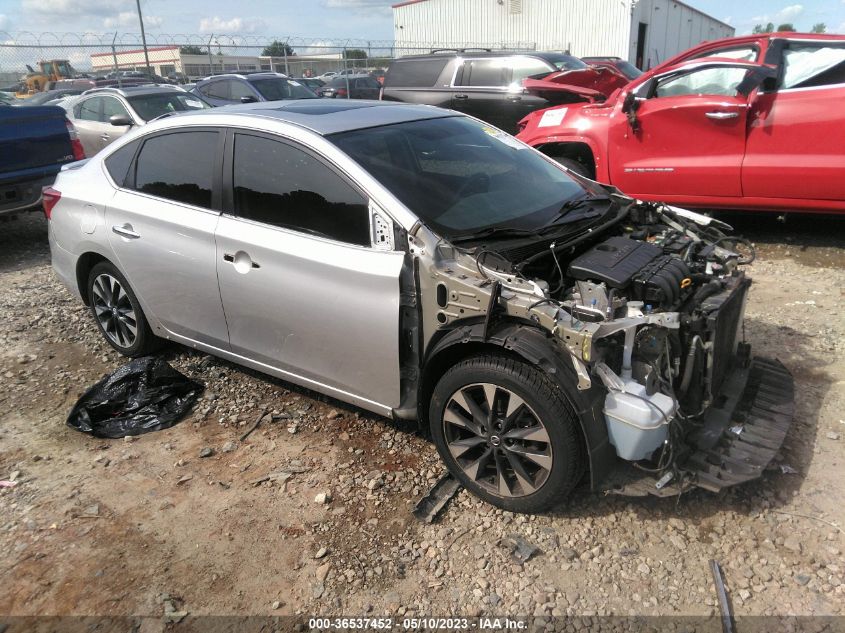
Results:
484 84
220 90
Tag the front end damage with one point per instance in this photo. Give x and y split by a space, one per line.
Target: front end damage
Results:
639 317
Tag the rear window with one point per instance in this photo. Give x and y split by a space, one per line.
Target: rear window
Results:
118 163
151 106
422 73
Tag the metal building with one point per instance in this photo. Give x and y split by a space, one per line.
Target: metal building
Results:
645 32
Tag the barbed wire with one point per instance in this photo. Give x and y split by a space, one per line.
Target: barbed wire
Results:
30 39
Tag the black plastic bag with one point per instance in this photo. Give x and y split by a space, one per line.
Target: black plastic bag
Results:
144 395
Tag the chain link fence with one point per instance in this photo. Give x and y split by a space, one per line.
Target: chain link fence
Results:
29 61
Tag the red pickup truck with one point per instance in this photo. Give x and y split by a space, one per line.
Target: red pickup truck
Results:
754 122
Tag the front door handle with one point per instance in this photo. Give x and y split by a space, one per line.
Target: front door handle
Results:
126 231
461 96
514 98
105 137
241 261
722 116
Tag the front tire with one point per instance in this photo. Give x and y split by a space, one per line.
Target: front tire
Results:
117 312
507 433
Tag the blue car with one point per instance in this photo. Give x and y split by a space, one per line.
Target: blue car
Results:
220 90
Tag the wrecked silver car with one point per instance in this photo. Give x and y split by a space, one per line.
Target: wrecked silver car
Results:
423 265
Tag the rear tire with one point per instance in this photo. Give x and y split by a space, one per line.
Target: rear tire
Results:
528 455
117 313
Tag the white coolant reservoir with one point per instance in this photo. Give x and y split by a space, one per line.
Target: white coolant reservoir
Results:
637 423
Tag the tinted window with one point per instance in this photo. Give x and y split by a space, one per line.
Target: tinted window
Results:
276 89
153 105
112 106
278 184
89 110
460 176
414 73
178 166
238 89
118 163
485 72
217 90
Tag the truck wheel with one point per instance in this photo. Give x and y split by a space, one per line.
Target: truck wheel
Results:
506 433
573 165
118 313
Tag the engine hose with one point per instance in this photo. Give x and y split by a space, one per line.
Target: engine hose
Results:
688 367
707 290
740 240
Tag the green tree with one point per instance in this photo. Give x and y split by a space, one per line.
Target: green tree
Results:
278 49
190 49
356 53
821 27
785 27
768 28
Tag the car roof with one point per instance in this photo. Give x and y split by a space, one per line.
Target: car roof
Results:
325 116
131 91
246 76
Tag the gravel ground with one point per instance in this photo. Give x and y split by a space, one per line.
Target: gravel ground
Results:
311 514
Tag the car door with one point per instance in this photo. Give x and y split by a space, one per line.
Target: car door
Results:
797 131
217 92
689 133
87 115
479 89
161 228
304 292
109 133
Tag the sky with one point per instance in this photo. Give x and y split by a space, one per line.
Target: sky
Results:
325 19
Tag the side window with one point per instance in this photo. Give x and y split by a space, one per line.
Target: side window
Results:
112 106
118 163
179 167
484 73
281 185
813 65
719 81
89 110
239 89
524 67
217 90
422 73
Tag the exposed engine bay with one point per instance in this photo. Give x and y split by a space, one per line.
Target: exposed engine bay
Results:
650 307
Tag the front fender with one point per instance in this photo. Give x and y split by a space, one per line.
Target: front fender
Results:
535 346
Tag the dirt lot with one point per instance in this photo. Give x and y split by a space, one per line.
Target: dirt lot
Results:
102 527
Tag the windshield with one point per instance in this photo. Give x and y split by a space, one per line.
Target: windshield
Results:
461 176
278 89
151 106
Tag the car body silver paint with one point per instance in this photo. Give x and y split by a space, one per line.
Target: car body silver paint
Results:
337 333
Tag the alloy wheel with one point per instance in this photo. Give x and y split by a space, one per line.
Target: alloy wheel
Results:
114 310
497 440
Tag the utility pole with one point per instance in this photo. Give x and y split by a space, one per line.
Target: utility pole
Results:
144 38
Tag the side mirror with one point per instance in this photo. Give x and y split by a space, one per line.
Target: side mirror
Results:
248 99
630 103
120 120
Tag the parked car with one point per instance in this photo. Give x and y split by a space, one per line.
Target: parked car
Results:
8 98
751 122
351 87
491 85
222 90
311 82
34 144
623 66
105 114
326 76
44 98
422 265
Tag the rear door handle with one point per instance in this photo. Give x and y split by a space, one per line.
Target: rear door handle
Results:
722 116
461 96
514 98
126 231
